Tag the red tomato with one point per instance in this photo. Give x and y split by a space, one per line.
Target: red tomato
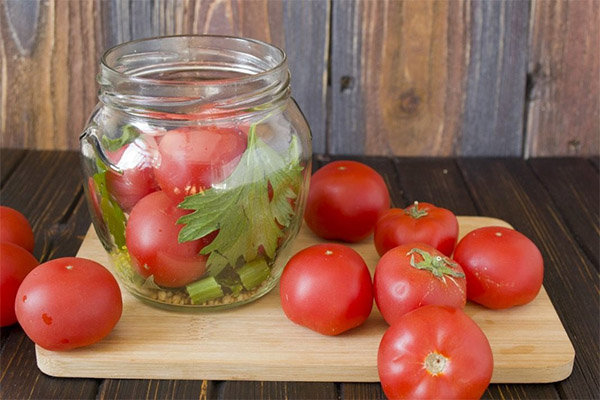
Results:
503 267
193 158
151 237
137 179
15 228
415 275
15 264
327 288
421 222
434 352
68 302
345 200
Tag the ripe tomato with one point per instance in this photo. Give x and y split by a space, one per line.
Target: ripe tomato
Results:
193 158
137 179
15 228
68 302
15 264
421 222
345 200
503 267
415 275
151 237
434 352
327 288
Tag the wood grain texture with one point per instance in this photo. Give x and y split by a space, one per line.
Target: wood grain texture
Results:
577 198
234 390
515 195
157 389
49 50
428 77
50 200
564 67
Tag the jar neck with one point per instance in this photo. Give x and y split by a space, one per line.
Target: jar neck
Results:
193 77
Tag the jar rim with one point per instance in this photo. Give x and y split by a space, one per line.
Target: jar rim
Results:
281 63
193 76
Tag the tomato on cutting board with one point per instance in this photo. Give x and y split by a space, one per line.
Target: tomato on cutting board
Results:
67 303
327 288
434 352
414 275
504 268
345 200
420 222
15 264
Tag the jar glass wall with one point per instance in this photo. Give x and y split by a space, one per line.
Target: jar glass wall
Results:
196 164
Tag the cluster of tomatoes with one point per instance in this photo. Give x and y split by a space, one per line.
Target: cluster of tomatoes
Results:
61 304
432 349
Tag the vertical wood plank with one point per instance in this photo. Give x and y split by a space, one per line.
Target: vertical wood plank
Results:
564 69
428 77
493 121
307 45
49 52
156 389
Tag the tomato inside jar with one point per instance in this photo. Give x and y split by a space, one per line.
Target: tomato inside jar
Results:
196 174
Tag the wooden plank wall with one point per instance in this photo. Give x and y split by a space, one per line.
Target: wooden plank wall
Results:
385 77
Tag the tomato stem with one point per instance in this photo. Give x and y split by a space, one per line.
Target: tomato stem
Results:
414 211
435 363
439 266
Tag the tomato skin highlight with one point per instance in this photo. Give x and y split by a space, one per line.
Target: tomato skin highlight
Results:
438 227
430 332
15 228
67 303
15 264
194 158
137 179
504 268
345 200
327 288
400 288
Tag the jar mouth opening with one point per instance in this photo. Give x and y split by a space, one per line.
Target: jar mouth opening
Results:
193 76
143 60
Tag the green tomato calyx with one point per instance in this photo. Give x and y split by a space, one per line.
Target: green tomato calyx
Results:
439 266
415 212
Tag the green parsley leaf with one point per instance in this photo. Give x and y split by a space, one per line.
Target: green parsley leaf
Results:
130 133
239 207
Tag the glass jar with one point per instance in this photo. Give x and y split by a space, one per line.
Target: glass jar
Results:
196 164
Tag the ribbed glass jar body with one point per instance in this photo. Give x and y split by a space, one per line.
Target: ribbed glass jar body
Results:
196 164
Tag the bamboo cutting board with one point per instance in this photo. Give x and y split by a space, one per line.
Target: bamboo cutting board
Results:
257 341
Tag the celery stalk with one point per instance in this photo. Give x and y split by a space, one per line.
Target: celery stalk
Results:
204 290
254 273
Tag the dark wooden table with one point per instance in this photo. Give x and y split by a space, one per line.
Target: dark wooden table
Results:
553 201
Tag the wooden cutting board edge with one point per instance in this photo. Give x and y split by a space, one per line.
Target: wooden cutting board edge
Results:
88 362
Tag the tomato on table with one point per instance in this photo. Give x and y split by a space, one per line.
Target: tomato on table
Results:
15 228
327 288
504 268
420 222
345 200
415 275
434 352
15 264
194 158
67 303
151 235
